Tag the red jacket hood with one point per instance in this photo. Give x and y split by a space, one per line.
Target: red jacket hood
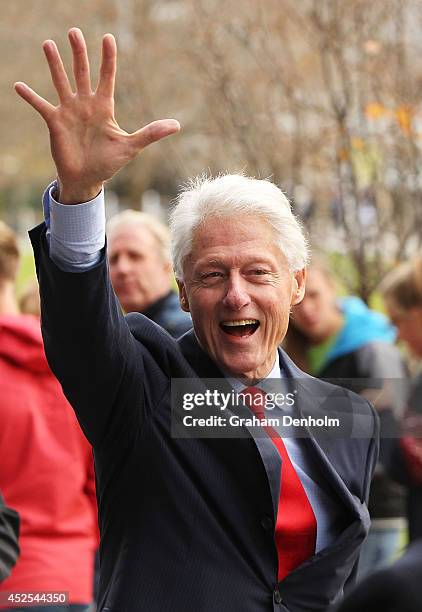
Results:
21 342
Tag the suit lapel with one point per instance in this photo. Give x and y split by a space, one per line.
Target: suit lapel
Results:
310 402
205 368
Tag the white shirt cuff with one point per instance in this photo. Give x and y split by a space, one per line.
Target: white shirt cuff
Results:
76 233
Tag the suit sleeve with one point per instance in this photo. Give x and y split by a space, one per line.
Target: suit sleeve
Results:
89 347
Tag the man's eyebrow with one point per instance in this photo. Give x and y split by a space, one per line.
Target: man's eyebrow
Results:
210 262
222 264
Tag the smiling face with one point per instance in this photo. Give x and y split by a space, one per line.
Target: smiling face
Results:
239 290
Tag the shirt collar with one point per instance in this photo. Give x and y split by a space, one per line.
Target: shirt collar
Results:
239 385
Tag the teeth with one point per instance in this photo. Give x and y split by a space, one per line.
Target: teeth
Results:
241 322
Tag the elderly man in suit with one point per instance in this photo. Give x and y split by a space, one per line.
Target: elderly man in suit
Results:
238 518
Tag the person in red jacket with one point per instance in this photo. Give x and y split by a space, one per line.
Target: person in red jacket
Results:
46 463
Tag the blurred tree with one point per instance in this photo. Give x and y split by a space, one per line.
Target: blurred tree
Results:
323 96
324 93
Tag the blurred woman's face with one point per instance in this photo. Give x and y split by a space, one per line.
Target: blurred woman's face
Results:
317 316
409 327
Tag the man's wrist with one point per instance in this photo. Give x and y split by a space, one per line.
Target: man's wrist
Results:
76 194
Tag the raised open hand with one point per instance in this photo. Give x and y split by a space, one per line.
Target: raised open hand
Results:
87 144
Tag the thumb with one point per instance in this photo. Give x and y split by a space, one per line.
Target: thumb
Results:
153 132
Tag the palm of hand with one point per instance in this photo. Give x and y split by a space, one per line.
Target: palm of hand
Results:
87 144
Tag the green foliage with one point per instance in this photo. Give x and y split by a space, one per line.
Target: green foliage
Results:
26 271
347 279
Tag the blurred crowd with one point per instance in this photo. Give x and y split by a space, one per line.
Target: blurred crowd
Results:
343 340
48 527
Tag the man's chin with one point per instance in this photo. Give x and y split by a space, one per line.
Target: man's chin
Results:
237 361
132 306
242 368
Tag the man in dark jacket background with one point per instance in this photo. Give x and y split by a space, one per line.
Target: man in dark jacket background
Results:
141 271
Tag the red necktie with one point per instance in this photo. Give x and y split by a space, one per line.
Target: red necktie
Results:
296 528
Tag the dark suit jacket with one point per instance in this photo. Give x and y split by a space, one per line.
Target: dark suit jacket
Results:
188 524
394 589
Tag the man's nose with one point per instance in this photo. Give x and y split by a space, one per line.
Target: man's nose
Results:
237 295
121 265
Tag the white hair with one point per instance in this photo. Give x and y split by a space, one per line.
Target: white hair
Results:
232 195
158 230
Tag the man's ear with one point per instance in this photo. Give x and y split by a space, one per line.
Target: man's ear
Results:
299 281
183 296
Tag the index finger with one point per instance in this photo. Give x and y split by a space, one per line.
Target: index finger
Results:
107 77
58 73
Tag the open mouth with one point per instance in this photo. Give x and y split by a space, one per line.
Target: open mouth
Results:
241 327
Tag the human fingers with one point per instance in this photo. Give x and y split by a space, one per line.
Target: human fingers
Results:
58 73
153 132
44 108
107 77
80 62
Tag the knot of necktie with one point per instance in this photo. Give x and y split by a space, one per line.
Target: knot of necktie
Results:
255 399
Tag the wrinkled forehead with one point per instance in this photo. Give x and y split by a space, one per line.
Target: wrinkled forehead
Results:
232 230
234 239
